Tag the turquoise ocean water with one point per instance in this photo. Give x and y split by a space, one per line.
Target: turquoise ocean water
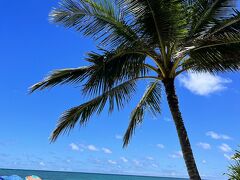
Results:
51 175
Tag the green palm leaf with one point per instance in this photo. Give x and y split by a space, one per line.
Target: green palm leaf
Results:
112 68
63 76
102 20
216 54
150 101
118 96
206 12
161 21
105 71
218 40
234 168
228 25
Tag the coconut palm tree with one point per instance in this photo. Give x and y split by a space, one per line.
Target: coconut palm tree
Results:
145 39
234 168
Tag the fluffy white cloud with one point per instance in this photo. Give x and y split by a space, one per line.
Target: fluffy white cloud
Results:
229 157
225 148
161 146
117 136
150 158
203 83
204 161
42 164
74 147
215 135
177 154
124 159
204 145
92 148
112 162
106 150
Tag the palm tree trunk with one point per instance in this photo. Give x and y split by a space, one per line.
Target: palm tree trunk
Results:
181 130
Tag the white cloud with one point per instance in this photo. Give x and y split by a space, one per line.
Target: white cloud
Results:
161 146
117 136
124 159
225 137
42 164
74 147
215 135
150 158
112 162
204 145
204 161
203 83
92 148
225 148
177 154
106 150
229 157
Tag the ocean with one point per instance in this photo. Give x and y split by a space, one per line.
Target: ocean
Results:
53 175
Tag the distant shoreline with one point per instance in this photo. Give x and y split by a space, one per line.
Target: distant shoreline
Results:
93 173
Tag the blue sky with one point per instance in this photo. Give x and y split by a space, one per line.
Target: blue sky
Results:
31 47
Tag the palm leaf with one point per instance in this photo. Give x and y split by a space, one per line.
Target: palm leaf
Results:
234 168
105 71
237 155
206 12
118 96
229 25
225 39
103 20
111 68
218 53
161 21
150 101
63 76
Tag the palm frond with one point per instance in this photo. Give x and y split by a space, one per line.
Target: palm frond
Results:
228 25
119 96
226 39
104 72
237 155
234 171
101 19
234 168
216 54
188 2
150 101
63 76
205 13
160 21
111 68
